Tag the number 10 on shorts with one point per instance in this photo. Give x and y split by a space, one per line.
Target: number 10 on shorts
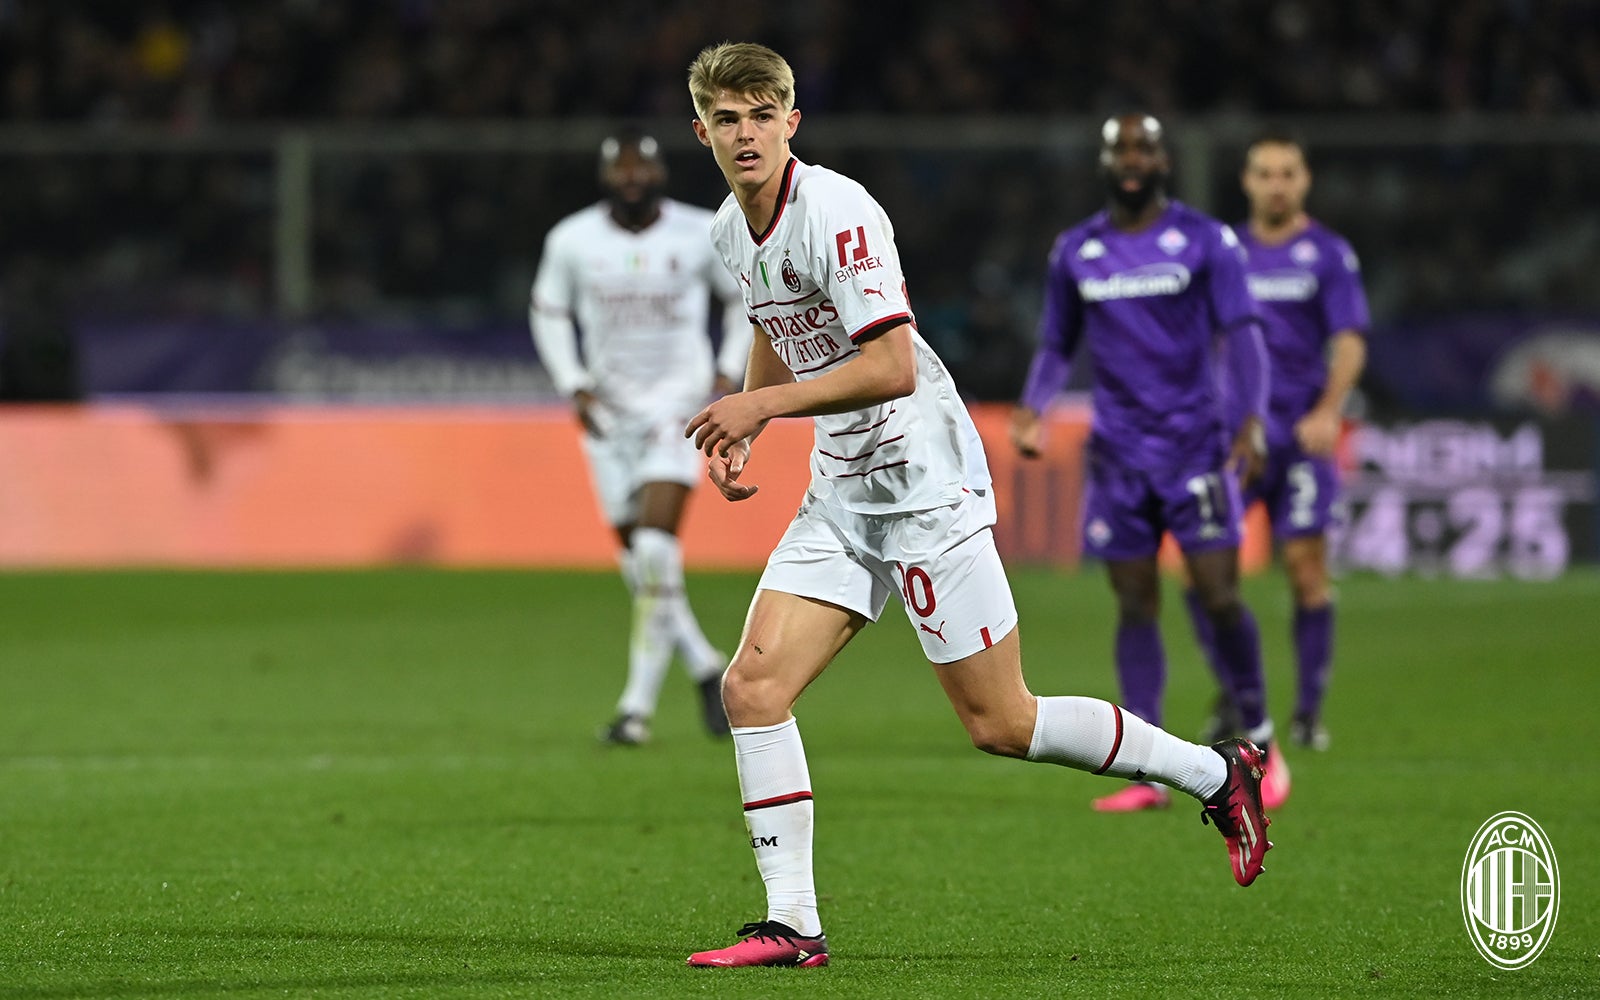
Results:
916 588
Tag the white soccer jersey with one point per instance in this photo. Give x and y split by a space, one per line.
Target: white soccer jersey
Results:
825 273
640 301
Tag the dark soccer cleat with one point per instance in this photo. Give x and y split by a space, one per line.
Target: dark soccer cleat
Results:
716 717
1224 721
1236 808
1308 731
626 731
767 942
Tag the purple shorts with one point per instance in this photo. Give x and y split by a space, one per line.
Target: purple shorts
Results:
1298 490
1126 510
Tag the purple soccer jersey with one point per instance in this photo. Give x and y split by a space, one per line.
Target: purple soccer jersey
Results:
1151 305
1308 289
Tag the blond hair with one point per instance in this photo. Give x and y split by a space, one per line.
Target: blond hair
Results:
742 68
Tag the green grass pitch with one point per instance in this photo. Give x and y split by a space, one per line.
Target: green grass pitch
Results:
387 784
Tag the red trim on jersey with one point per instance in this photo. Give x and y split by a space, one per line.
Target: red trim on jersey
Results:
987 642
778 800
863 430
1116 744
817 368
783 199
882 325
864 454
786 302
546 309
876 468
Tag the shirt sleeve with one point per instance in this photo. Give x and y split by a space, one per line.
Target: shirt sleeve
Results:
1230 299
1344 302
733 355
1238 319
1060 326
1249 373
855 261
550 319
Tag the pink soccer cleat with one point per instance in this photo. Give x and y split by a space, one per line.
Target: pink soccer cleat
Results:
767 942
1137 797
1236 808
1275 779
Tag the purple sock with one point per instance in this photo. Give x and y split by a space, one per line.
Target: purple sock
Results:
1142 669
1313 646
1239 651
1205 637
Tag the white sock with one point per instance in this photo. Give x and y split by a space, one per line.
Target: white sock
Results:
776 787
625 564
1262 734
1097 736
651 642
700 657
664 554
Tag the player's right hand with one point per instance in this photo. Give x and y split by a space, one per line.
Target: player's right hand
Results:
587 408
1247 458
725 470
1027 434
1318 432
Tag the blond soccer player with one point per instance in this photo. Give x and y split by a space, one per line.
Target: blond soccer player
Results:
900 503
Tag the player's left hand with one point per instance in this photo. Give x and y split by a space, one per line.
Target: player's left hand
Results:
1248 457
1027 436
725 470
1318 432
729 420
722 385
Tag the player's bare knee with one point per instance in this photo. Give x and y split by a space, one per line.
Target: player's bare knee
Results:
754 699
1138 614
1309 593
1221 602
1308 584
998 737
1137 605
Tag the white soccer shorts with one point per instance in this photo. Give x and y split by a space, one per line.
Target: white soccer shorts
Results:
942 564
630 456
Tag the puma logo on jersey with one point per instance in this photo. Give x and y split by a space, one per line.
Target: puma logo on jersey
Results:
873 291
934 631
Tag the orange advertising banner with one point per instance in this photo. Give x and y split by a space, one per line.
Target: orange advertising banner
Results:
289 486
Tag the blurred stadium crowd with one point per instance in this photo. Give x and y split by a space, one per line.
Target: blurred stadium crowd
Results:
456 235
190 61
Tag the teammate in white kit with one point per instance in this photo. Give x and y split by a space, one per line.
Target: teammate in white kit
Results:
636 273
899 503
